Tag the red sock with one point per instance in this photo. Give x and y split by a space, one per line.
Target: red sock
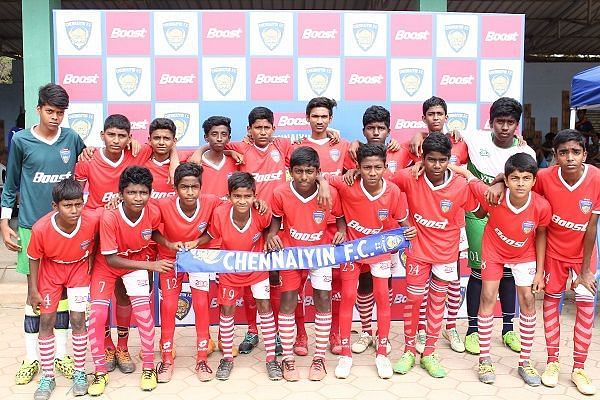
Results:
168 309
47 351
286 334
364 305
346 308
336 297
250 310
275 296
322 328
80 342
552 325
123 322
526 332
200 304
485 324
423 311
108 342
435 313
384 313
98 315
299 317
141 314
411 315
452 303
226 328
267 326
582 336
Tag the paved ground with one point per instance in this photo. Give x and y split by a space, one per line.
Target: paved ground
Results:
249 380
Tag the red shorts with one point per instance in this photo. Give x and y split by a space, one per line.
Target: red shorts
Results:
418 272
52 279
351 270
103 281
556 273
228 295
293 280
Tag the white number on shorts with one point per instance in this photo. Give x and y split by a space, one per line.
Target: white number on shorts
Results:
102 284
47 300
348 267
171 283
413 269
228 293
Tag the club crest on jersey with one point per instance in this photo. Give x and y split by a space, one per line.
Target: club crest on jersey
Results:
334 154
128 79
453 159
84 245
585 205
81 123
146 234
202 226
500 80
184 304
182 122
256 237
318 79
392 166
275 155
445 205
223 78
457 121
365 34
271 33
78 33
457 35
527 227
175 33
411 79
382 214
318 216
65 155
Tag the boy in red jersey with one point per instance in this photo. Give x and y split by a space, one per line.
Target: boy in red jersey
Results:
515 238
437 203
304 223
125 234
162 141
217 166
374 205
59 252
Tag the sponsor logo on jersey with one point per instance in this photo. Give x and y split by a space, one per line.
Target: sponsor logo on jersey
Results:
382 214
223 78
445 205
318 79
275 155
457 35
319 34
40 177
161 195
108 196
175 33
306 237
392 166
361 229
147 234
318 216
527 227
181 120
214 33
271 33
81 123
457 121
65 155
184 304
585 205
128 79
428 223
365 34
202 226
500 80
84 245
411 79
484 153
509 241
334 154
78 32
259 178
256 237
492 36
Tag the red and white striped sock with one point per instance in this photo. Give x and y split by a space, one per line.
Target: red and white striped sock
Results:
485 323
452 303
286 324
435 313
80 341
526 331
267 326
423 310
364 306
226 328
552 325
47 350
584 320
415 295
98 315
322 328
141 314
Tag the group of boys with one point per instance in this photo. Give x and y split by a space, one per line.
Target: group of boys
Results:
237 196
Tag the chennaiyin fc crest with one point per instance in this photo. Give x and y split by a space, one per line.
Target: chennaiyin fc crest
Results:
175 33
500 80
78 33
318 79
365 34
223 78
457 121
527 227
184 304
81 123
318 216
585 205
181 120
271 33
128 79
411 79
445 205
457 35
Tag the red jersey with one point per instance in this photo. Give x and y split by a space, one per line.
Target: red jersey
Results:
160 174
304 221
102 175
127 239
459 154
52 246
435 212
214 177
249 238
366 214
178 227
267 165
572 207
395 161
332 157
509 235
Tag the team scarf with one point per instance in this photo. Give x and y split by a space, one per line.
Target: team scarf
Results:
291 258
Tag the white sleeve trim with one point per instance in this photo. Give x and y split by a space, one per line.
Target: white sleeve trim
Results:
109 252
6 213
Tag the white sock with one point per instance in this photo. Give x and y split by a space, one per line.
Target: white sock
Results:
61 336
31 340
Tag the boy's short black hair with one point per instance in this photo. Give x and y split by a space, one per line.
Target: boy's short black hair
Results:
117 121
321 102
439 142
67 189
53 95
188 169
216 120
520 162
241 180
305 155
260 113
567 135
506 107
162 123
135 175
376 114
435 101
370 150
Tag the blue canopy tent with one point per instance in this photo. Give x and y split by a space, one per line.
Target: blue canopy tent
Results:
585 92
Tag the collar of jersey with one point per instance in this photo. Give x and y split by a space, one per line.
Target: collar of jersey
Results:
213 165
127 221
448 175
320 142
109 162
578 183
41 139
263 149
60 231
183 215
246 227
161 163
366 193
303 199
513 208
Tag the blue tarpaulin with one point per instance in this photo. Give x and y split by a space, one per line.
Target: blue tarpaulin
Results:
585 89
